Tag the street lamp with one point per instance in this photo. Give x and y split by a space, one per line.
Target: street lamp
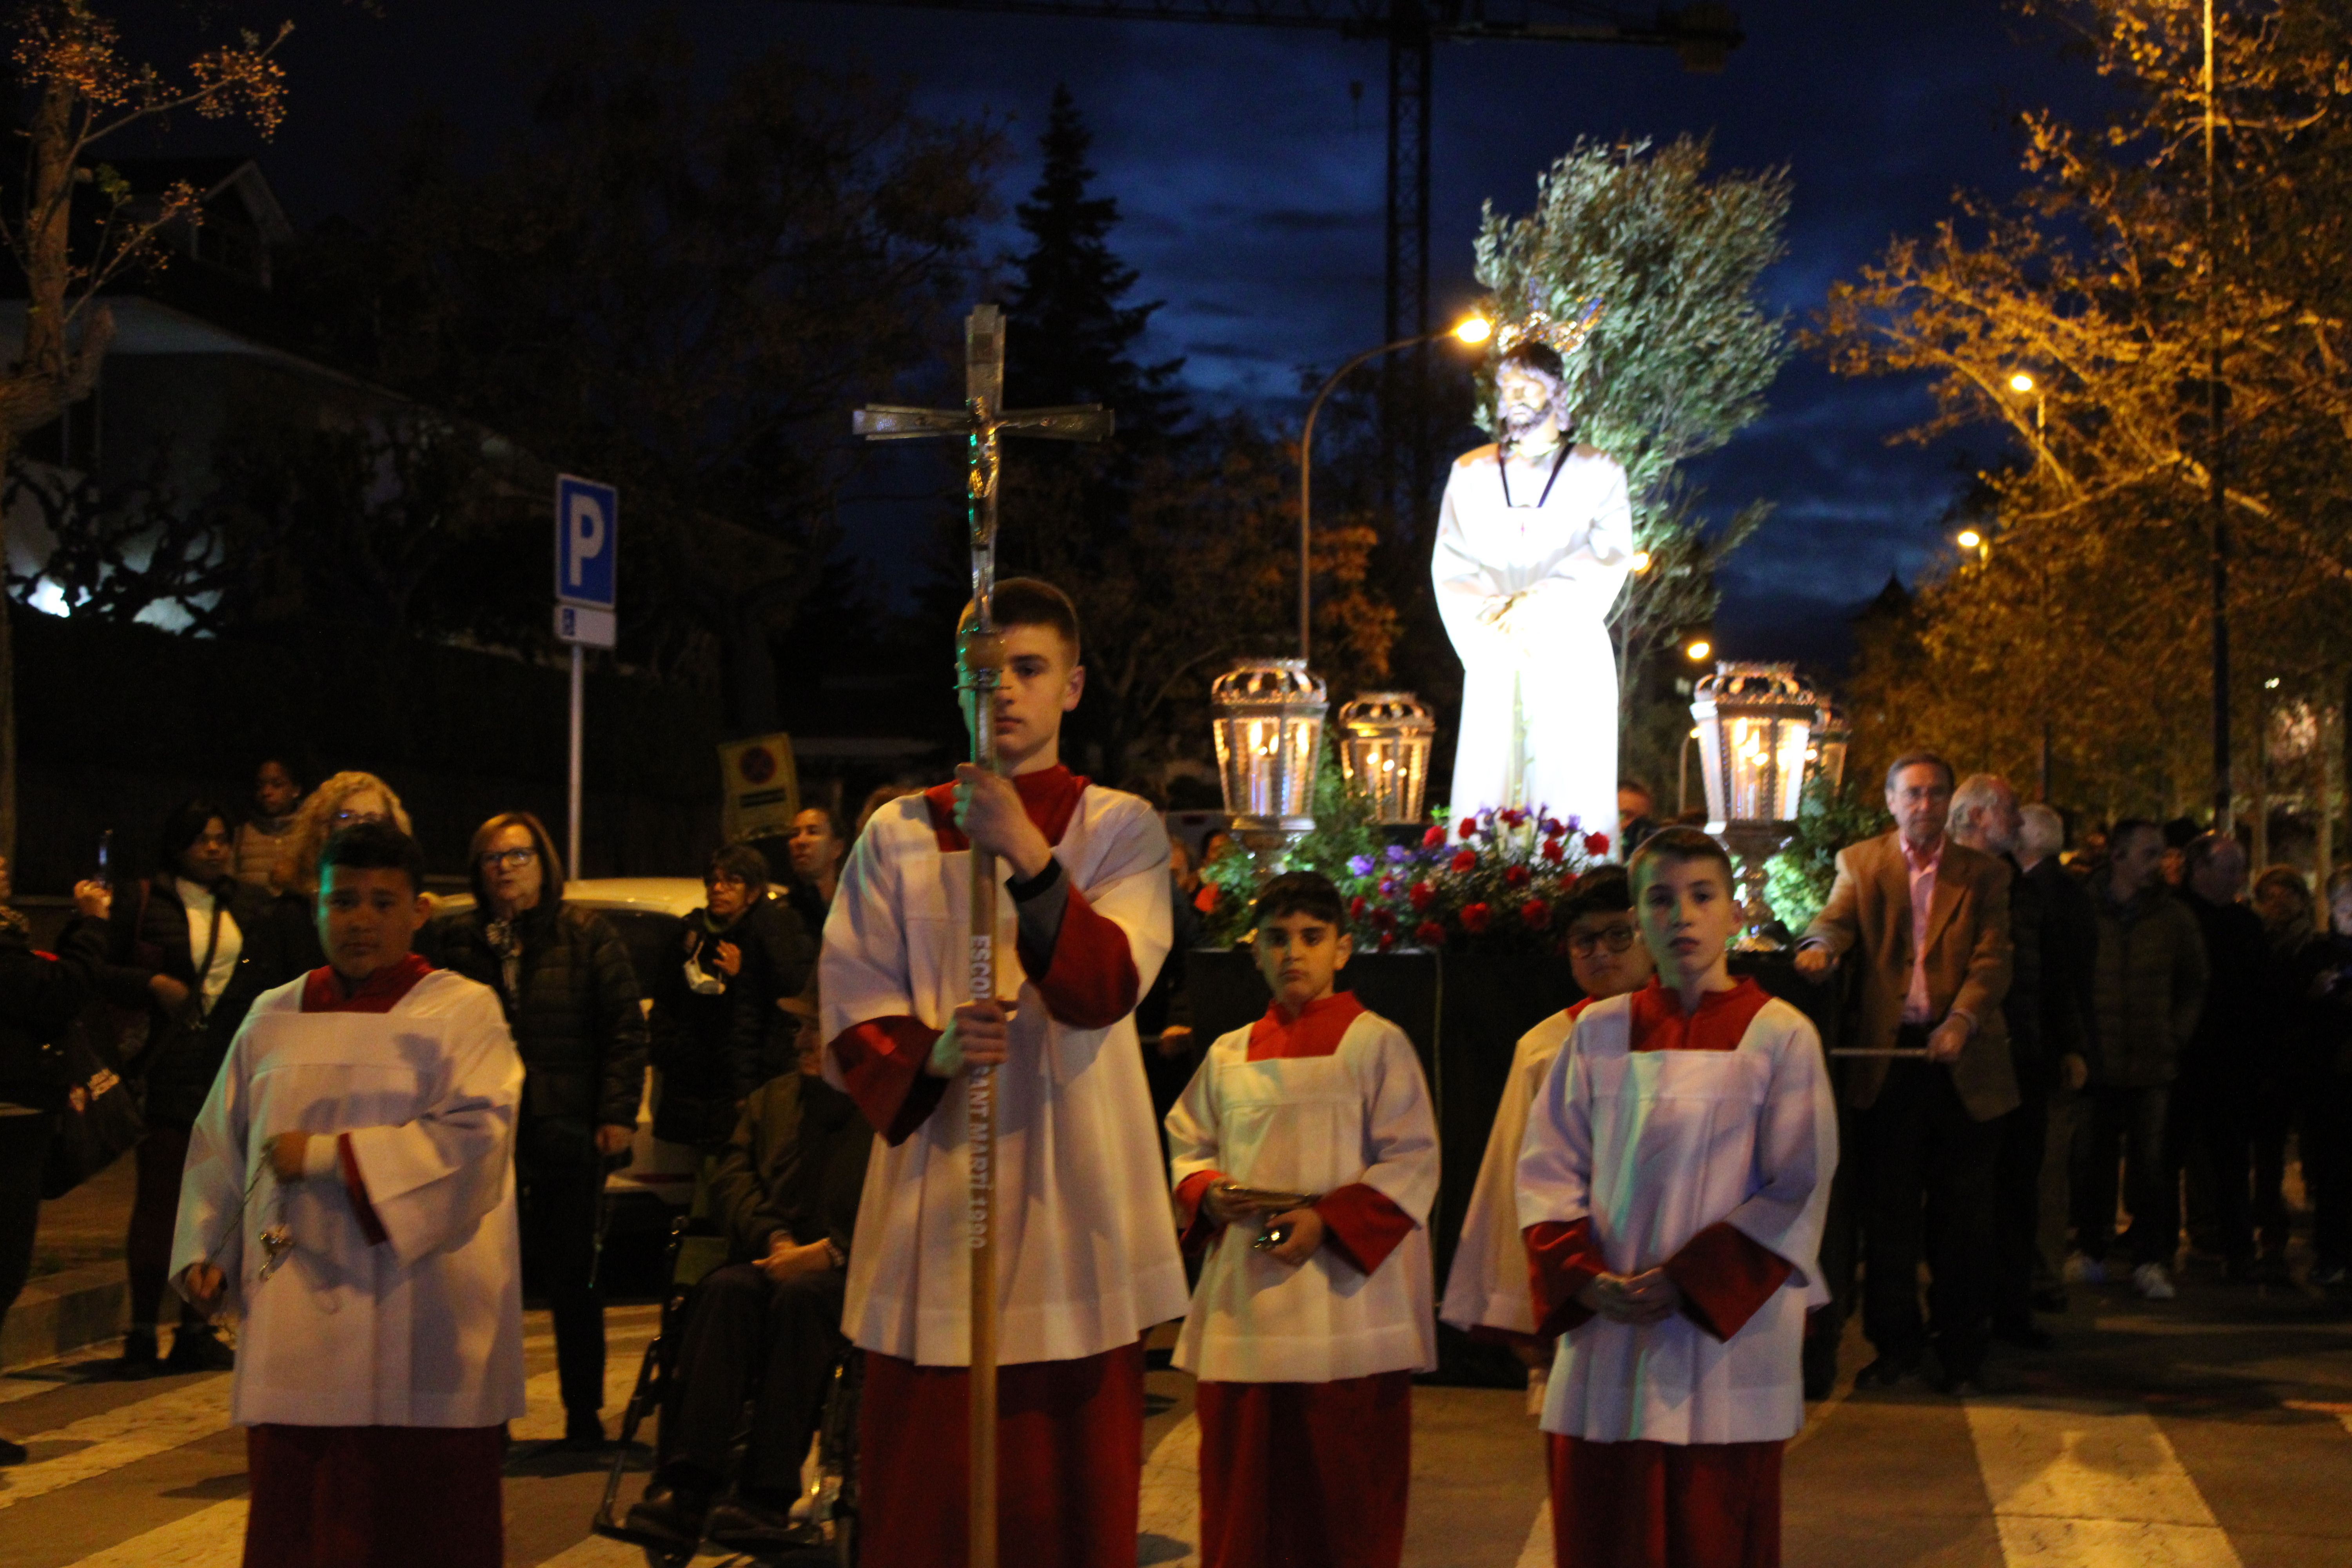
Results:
1698 651
1471 331
1970 540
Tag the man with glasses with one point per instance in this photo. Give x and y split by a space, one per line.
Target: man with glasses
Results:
717 1032
1486 1290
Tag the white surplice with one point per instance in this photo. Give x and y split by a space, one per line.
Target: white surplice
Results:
1653 1147
1310 1124
424 1329
1086 1251
1486 1287
1550 680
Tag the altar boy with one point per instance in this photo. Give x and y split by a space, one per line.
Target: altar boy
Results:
349 1188
1309 1320
1672 1186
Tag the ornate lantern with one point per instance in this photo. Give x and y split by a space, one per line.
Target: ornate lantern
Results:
1268 721
1385 737
1755 722
1830 733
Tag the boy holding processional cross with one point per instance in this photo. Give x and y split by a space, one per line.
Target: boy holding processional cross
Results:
1672 1185
1085 1258
1305 1160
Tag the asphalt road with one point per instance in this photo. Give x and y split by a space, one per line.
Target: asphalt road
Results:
2211 1432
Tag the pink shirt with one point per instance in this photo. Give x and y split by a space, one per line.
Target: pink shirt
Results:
1916 1009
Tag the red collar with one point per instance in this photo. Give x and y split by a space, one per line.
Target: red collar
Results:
1049 795
1316 1032
322 988
1723 1017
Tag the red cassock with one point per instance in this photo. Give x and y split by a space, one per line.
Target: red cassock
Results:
1305 1397
1701 1144
1085 1256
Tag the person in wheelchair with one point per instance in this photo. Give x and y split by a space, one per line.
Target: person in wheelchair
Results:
767 1326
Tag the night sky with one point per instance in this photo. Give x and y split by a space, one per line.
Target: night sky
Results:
1251 178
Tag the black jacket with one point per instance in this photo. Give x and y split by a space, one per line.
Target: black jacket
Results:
578 1023
39 997
796 1164
2069 923
708 1045
2240 1018
147 935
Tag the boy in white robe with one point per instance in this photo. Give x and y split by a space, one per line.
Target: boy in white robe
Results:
1085 1258
1486 1288
350 1189
1308 1321
1672 1186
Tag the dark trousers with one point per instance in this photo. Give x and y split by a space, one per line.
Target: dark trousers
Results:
747 1335
2210 1126
2326 1144
2017 1199
23 1154
559 1214
154 1214
1922 1153
2275 1110
2126 1125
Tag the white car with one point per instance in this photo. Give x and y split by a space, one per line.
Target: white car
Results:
645 913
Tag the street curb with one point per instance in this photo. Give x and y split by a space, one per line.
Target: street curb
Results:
60 1313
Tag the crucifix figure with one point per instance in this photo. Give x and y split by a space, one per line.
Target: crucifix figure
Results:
982 423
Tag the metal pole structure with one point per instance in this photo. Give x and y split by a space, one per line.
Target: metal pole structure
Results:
2214 414
579 732
1307 472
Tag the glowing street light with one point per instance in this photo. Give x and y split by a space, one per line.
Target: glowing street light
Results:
1698 651
1474 329
1641 561
1968 539
2021 383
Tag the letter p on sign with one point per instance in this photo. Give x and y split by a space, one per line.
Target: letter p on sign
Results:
587 542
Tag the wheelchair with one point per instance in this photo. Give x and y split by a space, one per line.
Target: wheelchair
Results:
828 1501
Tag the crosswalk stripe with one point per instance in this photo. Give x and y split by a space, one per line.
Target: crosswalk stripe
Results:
2078 1484
122 1435
209 1538
1171 1491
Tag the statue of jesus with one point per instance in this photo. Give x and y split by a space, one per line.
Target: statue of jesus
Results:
1533 540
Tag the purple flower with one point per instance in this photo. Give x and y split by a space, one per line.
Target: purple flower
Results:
1398 854
1360 865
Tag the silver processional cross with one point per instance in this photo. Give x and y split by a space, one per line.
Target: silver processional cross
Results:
982 422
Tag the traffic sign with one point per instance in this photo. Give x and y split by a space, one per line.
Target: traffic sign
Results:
587 542
590 628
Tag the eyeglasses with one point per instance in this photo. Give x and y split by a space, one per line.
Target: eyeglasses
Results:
1616 938
512 859
347 818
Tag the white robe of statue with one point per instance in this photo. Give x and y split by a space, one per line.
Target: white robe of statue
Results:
1525 591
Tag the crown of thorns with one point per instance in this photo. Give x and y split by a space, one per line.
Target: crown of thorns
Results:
1539 324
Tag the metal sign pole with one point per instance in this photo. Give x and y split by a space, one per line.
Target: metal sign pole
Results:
579 729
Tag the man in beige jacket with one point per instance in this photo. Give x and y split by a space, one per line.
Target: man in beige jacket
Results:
1929 921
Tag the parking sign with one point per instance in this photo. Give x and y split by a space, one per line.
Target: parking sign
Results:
587 542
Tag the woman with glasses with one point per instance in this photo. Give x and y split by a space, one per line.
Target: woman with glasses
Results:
289 948
176 951
571 999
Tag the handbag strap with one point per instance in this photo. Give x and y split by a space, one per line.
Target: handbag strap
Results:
212 950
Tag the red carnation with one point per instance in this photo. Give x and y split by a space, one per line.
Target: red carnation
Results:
1596 844
1464 859
1423 894
1434 838
1513 816
1514 877
1357 906
1553 826
1388 940
1429 934
1536 913
1476 917
1469 827
1385 919
1553 851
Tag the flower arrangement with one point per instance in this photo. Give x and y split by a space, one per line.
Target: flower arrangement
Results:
1495 882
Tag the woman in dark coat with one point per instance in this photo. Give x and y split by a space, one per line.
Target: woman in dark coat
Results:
40 994
716 1029
176 946
572 1001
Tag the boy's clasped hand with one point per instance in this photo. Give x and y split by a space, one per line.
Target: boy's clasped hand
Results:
1641 1298
1229 1203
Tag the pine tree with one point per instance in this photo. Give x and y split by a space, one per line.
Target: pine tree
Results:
1072 340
